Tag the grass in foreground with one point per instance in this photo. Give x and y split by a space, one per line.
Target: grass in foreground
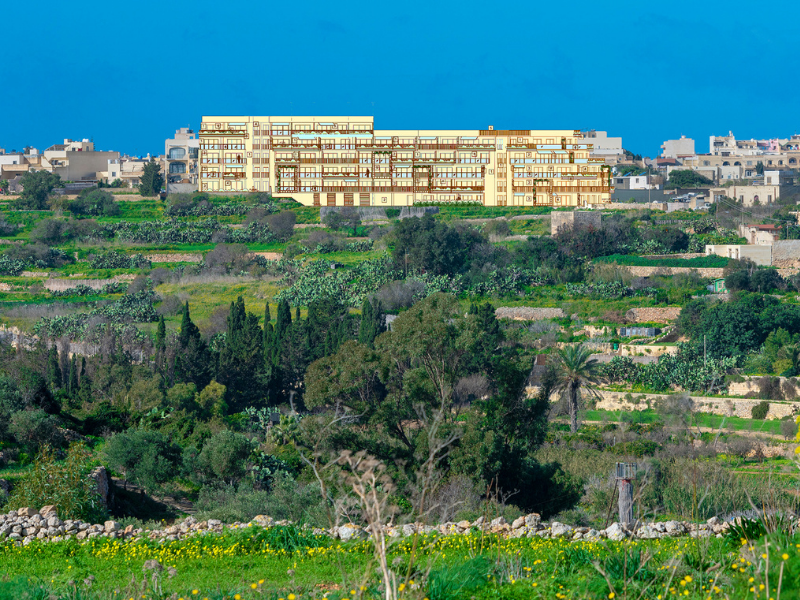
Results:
285 562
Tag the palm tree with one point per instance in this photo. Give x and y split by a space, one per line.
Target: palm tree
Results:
576 371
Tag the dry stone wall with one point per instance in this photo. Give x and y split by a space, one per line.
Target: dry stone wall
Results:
649 271
528 313
662 314
22 526
175 257
729 407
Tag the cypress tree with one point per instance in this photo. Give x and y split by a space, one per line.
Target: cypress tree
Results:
193 361
283 321
161 332
366 330
269 339
188 329
297 314
73 375
53 369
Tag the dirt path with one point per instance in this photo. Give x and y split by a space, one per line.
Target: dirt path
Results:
179 504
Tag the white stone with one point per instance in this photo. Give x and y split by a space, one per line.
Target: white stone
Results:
616 532
560 529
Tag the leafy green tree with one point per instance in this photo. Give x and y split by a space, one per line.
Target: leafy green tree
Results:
36 189
576 372
151 180
34 429
430 245
433 339
766 280
211 400
282 224
96 203
148 458
224 457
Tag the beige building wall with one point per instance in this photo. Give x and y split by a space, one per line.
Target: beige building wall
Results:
761 255
336 161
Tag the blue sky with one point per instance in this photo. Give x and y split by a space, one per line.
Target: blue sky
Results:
128 74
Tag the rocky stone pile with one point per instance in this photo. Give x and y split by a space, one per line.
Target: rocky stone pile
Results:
24 525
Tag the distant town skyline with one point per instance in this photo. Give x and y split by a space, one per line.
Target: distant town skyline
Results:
640 73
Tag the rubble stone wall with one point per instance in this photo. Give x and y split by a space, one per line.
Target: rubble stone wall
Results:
653 314
528 313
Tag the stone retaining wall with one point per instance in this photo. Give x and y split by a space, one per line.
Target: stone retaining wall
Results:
174 258
25 525
655 314
268 255
728 407
649 271
59 285
528 313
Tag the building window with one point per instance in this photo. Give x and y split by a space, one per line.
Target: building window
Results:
177 168
177 153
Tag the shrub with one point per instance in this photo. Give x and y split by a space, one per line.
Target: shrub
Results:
96 203
149 458
638 448
498 227
38 256
118 260
760 410
788 428
224 457
301 503
282 224
66 485
35 429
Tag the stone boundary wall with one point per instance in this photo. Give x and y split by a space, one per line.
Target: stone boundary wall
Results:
786 253
174 258
750 385
408 212
572 218
653 314
59 285
24 525
528 313
268 255
728 407
686 255
648 271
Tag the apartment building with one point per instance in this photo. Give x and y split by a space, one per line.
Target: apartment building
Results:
344 161
678 149
181 153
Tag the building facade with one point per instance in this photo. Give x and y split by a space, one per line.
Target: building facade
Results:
181 154
344 161
681 148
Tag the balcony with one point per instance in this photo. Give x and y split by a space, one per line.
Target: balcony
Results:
234 175
464 188
342 174
229 132
330 161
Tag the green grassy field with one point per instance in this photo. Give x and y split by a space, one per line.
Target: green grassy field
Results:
286 564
